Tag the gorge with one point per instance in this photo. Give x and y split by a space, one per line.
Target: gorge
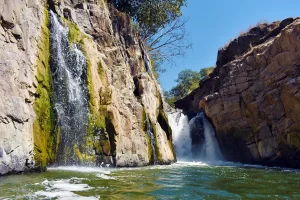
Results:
81 105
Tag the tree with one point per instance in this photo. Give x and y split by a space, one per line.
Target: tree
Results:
170 41
169 98
204 72
160 25
151 15
187 81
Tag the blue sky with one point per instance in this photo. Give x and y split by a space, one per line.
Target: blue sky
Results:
212 23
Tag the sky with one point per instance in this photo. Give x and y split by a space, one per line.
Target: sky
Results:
212 23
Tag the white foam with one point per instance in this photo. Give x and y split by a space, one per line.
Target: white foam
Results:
64 189
63 185
104 176
181 135
194 163
63 195
82 169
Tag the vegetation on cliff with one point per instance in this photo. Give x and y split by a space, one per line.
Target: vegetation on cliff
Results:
98 141
44 133
187 81
160 25
150 15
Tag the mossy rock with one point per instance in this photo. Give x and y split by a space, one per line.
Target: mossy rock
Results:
75 35
84 157
45 135
144 129
164 124
102 141
105 96
157 150
97 139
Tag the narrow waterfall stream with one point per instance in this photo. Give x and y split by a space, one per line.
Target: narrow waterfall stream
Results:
211 146
184 132
181 135
68 66
209 150
150 134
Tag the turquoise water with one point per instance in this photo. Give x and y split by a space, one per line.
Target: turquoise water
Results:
177 181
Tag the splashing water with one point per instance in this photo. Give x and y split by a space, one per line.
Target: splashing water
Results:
151 136
183 140
68 66
183 180
181 135
210 150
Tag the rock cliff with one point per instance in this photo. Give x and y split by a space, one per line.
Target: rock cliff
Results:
252 97
124 98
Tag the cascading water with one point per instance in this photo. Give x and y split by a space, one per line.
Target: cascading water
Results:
186 149
68 66
211 146
210 150
150 134
181 135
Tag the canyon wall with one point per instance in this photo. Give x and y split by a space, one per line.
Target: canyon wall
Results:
252 96
124 97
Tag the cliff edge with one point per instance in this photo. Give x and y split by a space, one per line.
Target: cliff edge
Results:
252 97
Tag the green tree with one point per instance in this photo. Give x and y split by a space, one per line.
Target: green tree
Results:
151 15
187 81
169 98
160 25
204 72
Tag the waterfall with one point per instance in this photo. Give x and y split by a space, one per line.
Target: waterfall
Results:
210 150
211 146
150 134
194 139
181 135
68 66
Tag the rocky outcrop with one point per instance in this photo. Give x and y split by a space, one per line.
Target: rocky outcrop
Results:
252 98
20 33
122 91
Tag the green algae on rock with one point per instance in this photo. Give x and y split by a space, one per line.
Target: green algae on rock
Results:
45 134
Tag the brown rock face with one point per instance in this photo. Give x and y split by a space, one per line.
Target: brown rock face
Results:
20 33
253 100
122 91
134 92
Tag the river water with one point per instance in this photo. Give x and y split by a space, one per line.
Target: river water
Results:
183 180
212 179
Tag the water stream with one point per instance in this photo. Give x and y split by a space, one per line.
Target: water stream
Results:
193 139
183 180
184 131
68 66
209 151
150 133
181 135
